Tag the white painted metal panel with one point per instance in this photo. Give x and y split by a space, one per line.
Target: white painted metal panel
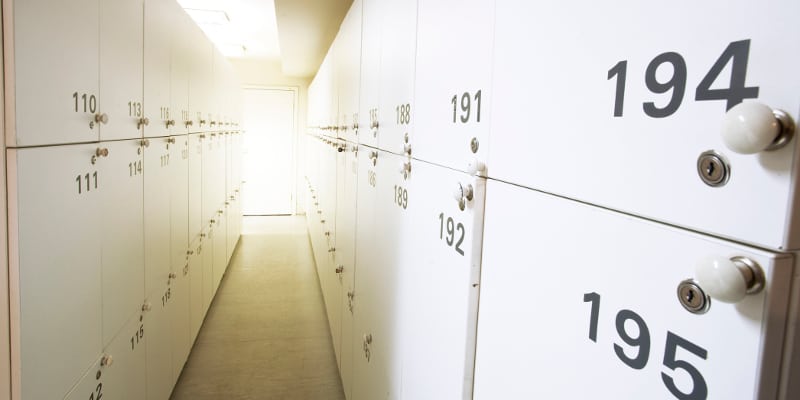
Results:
179 200
158 330
59 294
398 51
122 233
348 71
179 316
624 114
195 186
369 97
125 377
157 214
180 67
55 77
207 255
159 20
346 197
196 310
588 299
440 280
121 71
199 79
220 264
453 81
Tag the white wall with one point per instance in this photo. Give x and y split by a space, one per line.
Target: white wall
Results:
264 73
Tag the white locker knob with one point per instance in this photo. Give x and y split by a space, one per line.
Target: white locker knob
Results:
144 121
101 118
170 122
458 194
147 306
751 127
101 152
729 280
476 167
172 275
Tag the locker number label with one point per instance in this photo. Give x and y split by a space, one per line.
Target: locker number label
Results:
403 112
98 392
85 102
135 108
135 168
372 178
462 107
736 55
635 351
401 196
137 337
86 182
451 232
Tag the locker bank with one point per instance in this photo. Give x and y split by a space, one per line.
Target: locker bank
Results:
505 199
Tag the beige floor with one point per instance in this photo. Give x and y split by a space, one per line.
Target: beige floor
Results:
265 335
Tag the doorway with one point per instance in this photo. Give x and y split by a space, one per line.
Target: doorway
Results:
269 119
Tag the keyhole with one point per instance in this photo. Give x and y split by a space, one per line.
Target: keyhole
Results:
710 169
690 296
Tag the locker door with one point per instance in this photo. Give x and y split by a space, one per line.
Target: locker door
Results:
179 316
157 213
220 252
121 70
650 96
440 280
368 115
452 93
60 290
125 377
346 259
179 200
195 186
159 343
196 310
199 79
55 76
159 17
377 313
207 254
208 201
348 71
91 385
122 233
398 51
590 300
179 68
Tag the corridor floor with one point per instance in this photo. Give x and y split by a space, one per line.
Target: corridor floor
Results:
266 334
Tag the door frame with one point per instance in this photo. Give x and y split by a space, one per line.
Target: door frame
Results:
295 134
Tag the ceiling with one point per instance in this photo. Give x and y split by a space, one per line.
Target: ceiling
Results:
295 32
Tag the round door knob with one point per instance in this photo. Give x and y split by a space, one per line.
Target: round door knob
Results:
170 122
101 118
144 121
751 127
729 280
172 275
147 307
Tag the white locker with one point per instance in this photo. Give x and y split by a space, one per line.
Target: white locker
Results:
54 78
159 25
219 239
122 233
157 213
179 316
196 309
347 57
124 376
452 93
345 259
369 127
440 280
180 67
380 235
199 79
398 51
583 302
625 118
195 186
178 160
121 70
159 342
55 294
207 256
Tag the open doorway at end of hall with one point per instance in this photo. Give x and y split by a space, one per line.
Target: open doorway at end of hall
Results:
268 167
